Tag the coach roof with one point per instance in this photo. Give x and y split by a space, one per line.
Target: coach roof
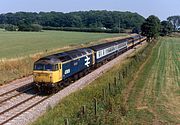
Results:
106 45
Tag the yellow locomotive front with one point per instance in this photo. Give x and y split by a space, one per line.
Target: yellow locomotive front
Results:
47 72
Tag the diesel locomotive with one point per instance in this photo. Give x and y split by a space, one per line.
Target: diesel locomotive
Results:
58 70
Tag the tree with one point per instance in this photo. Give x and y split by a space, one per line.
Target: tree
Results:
166 28
136 30
175 20
24 25
151 27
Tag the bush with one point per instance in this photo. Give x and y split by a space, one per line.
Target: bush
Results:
11 27
30 27
2 26
36 27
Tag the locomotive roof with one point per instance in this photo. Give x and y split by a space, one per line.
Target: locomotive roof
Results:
64 56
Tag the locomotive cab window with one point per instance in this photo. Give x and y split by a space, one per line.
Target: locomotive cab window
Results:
55 67
38 67
46 67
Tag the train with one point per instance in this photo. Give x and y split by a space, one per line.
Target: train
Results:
61 69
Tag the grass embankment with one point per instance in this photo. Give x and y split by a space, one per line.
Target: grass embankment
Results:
107 90
19 50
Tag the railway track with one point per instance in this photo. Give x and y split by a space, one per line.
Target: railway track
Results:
17 101
13 93
15 87
17 109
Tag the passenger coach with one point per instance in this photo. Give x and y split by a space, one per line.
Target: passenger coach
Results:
107 51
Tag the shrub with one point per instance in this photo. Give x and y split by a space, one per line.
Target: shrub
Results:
11 27
36 27
30 27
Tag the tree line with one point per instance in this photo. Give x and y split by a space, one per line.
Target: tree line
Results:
26 21
89 21
153 27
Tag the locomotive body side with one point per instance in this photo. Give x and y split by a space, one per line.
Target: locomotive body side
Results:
69 68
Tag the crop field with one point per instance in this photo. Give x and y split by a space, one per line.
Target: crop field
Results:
17 44
148 94
155 94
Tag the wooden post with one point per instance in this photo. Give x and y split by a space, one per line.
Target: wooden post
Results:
95 106
109 88
66 121
119 74
84 109
115 81
127 71
104 95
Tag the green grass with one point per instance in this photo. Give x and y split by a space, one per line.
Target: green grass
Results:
17 44
158 83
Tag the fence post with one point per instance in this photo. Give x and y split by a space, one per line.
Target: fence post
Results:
115 81
84 109
104 95
66 121
95 106
119 73
110 88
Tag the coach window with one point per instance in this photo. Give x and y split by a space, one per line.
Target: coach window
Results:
99 53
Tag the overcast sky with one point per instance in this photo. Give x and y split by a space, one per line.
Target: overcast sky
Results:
160 8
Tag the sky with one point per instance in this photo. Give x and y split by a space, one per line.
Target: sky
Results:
160 8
